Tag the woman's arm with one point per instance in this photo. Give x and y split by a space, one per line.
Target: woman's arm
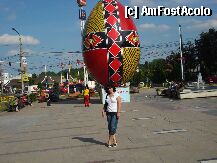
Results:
118 106
103 112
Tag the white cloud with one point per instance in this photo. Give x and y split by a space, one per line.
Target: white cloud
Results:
154 27
13 39
11 17
141 3
206 24
14 52
3 8
184 2
28 52
194 24
188 21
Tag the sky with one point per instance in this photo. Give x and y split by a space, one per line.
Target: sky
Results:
51 26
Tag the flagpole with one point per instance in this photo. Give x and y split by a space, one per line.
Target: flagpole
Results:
82 17
182 69
45 75
45 70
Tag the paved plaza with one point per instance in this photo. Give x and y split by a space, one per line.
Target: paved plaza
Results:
152 129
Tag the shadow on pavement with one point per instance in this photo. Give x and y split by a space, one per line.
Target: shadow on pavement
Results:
89 140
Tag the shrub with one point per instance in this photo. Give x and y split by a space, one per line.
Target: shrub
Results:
4 106
33 97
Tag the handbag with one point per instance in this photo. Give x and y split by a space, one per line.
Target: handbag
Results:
106 104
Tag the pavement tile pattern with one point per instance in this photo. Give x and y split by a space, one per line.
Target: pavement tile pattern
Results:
68 132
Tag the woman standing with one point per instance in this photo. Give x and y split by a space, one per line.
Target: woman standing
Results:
86 96
112 109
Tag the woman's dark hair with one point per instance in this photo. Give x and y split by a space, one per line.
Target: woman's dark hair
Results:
108 87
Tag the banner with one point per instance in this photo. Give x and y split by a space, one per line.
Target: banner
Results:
82 14
123 91
24 62
25 77
5 98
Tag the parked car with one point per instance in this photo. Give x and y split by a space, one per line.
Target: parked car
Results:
211 80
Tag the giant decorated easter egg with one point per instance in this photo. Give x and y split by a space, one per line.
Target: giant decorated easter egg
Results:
111 48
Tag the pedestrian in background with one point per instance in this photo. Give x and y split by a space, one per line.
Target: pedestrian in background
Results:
86 94
48 97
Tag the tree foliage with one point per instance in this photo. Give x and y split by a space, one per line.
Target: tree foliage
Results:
198 56
206 47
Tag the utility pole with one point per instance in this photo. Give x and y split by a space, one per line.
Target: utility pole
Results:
1 75
182 69
67 79
85 75
68 74
21 57
82 17
45 75
61 75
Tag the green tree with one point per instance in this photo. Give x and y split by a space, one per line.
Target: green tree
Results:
49 73
172 67
34 76
146 72
73 73
190 59
32 79
202 53
206 47
56 89
135 79
40 87
158 74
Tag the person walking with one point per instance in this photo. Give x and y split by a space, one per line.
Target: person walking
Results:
112 110
86 96
48 97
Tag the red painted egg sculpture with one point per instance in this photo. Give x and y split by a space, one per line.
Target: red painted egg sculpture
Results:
111 47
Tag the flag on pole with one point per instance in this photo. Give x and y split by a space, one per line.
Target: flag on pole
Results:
45 68
69 66
82 14
180 35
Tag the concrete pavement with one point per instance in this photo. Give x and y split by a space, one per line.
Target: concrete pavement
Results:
151 129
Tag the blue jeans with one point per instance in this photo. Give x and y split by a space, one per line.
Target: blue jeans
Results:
112 122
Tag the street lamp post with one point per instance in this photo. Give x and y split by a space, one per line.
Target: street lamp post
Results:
21 55
1 75
182 69
82 17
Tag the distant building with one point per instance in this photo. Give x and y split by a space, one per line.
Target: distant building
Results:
48 80
5 78
14 83
11 82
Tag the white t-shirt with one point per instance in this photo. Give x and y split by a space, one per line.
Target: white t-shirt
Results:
112 103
